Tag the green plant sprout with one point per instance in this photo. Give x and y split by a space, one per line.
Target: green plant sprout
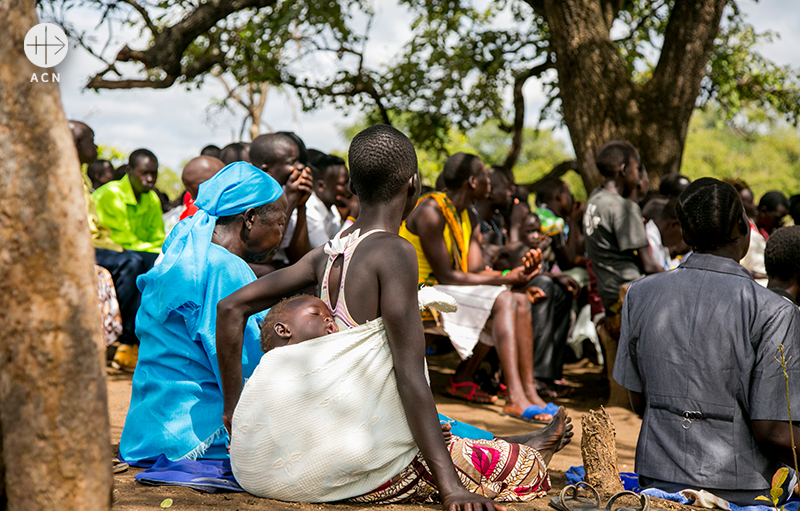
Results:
776 492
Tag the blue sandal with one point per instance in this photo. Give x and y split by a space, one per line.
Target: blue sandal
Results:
534 410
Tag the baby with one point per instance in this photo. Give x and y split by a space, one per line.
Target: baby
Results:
302 318
294 320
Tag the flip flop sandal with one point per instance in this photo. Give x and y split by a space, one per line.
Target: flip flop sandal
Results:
534 410
644 500
555 392
119 466
475 395
563 502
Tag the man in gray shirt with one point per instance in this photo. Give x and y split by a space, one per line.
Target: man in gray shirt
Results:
696 354
616 240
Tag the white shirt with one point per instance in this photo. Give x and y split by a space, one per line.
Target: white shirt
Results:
323 223
754 260
660 253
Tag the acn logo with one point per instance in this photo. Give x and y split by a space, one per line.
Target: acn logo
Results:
46 45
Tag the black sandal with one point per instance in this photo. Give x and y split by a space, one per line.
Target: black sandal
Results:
644 500
575 503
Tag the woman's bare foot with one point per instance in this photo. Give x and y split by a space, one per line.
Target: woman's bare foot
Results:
551 438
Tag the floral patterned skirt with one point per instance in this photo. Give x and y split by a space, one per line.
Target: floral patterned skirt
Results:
496 469
109 307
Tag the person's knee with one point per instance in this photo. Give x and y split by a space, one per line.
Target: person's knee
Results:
522 304
505 301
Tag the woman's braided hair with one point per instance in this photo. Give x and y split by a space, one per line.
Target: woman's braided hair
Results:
709 211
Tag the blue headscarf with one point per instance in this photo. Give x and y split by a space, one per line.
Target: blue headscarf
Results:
180 277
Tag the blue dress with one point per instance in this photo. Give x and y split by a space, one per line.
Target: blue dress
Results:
176 401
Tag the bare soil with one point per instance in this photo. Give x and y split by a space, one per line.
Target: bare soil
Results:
590 393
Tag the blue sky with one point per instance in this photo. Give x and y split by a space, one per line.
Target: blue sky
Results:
176 123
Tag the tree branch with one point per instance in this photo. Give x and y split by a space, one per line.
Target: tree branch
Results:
169 45
558 171
611 10
145 16
354 87
101 83
519 112
688 41
538 7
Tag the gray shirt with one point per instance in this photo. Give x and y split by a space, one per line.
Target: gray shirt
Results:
699 342
614 230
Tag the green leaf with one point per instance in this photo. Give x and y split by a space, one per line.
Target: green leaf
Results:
779 478
776 494
762 497
166 503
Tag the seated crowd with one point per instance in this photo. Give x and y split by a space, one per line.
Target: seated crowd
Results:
247 279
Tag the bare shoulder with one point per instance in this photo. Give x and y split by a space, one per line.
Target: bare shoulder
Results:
427 215
389 249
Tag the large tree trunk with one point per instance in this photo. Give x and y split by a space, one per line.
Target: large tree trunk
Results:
53 408
600 101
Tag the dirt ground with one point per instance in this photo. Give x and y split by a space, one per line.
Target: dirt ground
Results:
590 391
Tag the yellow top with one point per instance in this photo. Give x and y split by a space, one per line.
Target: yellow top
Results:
425 271
101 235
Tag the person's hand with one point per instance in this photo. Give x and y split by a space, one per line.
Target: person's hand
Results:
576 215
298 187
227 419
462 500
544 242
532 261
531 265
535 294
519 276
448 436
569 283
349 205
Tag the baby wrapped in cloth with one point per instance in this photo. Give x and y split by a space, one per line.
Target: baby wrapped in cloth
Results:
322 421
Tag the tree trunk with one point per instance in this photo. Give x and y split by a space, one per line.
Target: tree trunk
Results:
3 502
53 408
599 452
601 102
667 100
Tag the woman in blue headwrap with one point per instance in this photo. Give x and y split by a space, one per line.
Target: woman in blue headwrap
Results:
176 401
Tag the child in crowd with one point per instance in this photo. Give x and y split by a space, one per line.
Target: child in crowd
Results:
381 293
306 319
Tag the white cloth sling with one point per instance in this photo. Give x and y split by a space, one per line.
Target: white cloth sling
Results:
322 420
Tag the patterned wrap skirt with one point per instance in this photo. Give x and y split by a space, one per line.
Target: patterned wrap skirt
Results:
109 308
496 469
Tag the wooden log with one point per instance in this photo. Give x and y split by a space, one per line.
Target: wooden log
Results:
618 395
599 452
608 330
53 406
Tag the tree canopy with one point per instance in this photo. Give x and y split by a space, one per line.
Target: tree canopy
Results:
631 69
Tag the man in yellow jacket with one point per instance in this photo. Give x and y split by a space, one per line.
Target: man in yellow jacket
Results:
130 208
